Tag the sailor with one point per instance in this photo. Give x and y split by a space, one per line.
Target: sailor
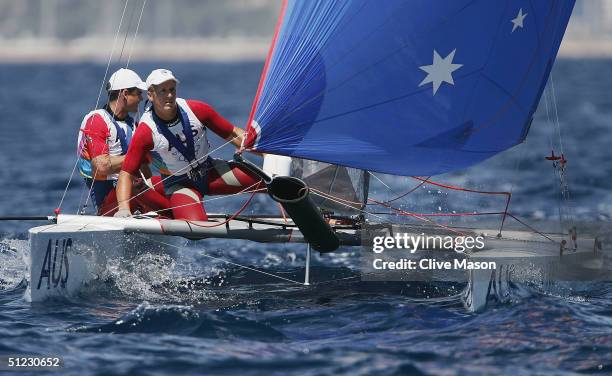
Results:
175 132
103 142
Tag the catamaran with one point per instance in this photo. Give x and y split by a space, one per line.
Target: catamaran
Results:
349 88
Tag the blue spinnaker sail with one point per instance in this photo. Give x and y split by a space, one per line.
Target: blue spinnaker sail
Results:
417 87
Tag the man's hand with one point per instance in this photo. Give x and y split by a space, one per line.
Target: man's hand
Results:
237 139
123 213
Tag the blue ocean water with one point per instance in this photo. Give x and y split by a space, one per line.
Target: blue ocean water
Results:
191 315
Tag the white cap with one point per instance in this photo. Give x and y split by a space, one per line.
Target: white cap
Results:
125 79
159 76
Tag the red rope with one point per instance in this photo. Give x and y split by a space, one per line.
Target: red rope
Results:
415 215
385 204
455 188
282 212
230 218
410 191
423 216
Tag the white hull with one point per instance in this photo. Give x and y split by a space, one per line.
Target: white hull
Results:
522 260
74 252
66 257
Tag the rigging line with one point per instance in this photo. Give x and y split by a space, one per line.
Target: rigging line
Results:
550 140
565 192
531 228
382 182
225 261
408 213
466 214
102 85
244 206
504 213
203 201
246 190
134 43
401 212
199 159
554 105
512 183
282 212
127 32
550 135
173 174
59 206
385 204
426 180
347 205
82 204
455 188
114 113
110 58
144 3
95 107
324 194
414 177
335 280
425 219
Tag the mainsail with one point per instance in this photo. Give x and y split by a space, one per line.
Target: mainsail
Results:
414 87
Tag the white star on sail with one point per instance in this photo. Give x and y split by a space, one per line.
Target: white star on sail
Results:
440 71
518 20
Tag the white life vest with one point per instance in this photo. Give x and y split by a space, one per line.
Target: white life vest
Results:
112 140
168 159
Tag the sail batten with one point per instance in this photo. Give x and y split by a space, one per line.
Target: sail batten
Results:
405 87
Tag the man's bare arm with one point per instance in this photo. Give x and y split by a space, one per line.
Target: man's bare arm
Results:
124 190
103 165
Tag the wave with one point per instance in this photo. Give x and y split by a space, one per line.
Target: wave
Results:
14 254
187 320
